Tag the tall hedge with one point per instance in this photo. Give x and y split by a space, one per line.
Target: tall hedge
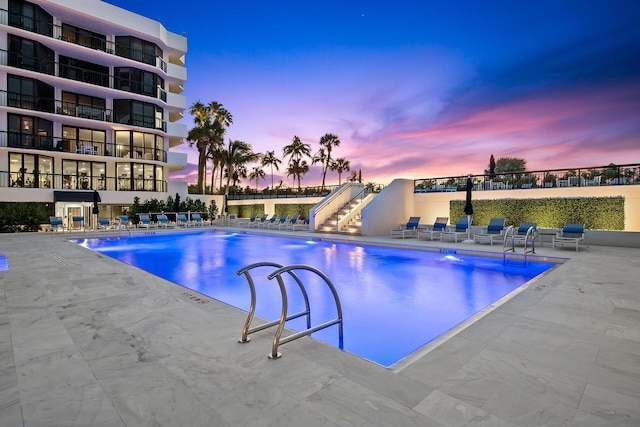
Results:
597 213
24 216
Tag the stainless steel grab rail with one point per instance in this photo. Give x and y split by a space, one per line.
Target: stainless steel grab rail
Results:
278 340
510 237
252 308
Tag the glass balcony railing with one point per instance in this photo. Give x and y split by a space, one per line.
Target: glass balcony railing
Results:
24 179
82 38
525 180
80 74
28 102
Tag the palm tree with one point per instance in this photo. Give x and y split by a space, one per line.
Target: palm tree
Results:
211 122
319 157
200 135
257 173
340 165
328 141
297 149
221 119
353 177
270 159
236 156
297 168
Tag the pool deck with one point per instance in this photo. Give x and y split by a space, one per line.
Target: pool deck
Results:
88 341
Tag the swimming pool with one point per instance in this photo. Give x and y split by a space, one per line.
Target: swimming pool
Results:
394 300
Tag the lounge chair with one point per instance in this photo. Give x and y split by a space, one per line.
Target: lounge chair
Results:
289 225
460 231
258 222
163 221
304 225
246 222
145 221
495 231
181 220
526 234
122 221
410 229
267 223
276 224
197 220
570 235
104 224
55 223
434 232
77 223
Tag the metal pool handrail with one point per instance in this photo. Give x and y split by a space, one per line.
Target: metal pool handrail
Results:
252 308
510 238
277 340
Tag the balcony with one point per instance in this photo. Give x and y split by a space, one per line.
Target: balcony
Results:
527 180
81 37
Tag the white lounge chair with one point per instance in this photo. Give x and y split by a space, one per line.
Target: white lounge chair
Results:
410 229
495 231
434 232
571 235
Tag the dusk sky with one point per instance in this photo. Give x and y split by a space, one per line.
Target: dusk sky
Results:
417 89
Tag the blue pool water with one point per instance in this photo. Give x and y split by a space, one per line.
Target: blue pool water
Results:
394 301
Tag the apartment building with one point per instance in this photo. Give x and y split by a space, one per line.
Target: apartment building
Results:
90 96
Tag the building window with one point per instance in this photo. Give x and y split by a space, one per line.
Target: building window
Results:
29 94
135 113
29 132
83 141
85 106
139 81
83 175
84 37
138 49
88 72
24 173
139 177
139 145
30 55
30 17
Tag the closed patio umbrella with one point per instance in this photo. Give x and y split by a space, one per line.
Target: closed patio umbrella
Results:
468 209
96 209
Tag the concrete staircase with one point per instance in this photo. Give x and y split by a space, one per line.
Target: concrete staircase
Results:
347 219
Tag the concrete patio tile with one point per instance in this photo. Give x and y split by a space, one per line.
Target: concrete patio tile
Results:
87 340
453 412
613 408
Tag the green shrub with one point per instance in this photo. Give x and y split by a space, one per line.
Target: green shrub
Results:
24 216
597 213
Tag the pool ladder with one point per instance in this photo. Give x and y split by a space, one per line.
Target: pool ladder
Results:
510 239
277 274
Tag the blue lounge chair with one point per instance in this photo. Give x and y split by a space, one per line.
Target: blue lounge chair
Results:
289 224
526 234
276 224
197 220
56 224
77 223
570 235
410 229
495 231
246 222
267 223
145 221
163 221
104 224
258 222
304 225
181 220
460 231
434 232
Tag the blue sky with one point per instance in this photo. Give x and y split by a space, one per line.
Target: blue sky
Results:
418 89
